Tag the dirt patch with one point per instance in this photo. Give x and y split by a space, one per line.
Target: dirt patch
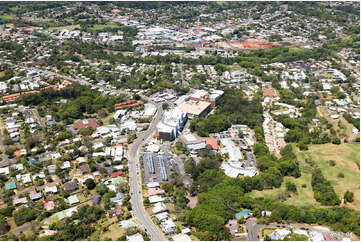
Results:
192 201
247 44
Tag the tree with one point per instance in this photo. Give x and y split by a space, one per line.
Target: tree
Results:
291 187
4 226
323 190
101 189
190 167
24 214
165 106
86 131
167 187
90 184
349 197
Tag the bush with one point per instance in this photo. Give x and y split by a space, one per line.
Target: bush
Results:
24 215
349 197
322 189
291 187
90 184
332 162
336 141
341 175
302 146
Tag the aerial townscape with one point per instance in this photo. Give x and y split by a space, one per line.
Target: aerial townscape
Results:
180 121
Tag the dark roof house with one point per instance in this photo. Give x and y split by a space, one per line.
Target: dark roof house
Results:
71 186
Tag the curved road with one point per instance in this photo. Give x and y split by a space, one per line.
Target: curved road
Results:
135 181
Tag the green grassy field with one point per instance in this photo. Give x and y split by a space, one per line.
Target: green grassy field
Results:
103 26
68 27
5 17
347 161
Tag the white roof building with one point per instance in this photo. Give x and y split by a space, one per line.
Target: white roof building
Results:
161 216
153 148
127 224
65 165
326 86
281 233
129 125
159 207
118 152
169 226
52 189
316 236
149 110
234 152
181 238
5 170
171 124
135 238
25 178
155 199
153 184
73 199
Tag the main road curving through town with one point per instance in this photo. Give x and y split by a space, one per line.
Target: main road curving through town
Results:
135 181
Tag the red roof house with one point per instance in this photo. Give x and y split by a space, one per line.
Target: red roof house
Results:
213 143
116 174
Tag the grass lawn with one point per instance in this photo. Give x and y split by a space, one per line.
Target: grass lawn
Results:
68 27
2 74
103 26
5 17
347 157
328 75
347 162
114 232
304 196
235 67
266 231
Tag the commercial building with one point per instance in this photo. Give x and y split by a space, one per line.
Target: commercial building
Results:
195 108
211 97
235 166
171 124
192 142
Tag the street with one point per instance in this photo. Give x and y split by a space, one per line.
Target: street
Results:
35 112
135 181
252 229
3 150
184 83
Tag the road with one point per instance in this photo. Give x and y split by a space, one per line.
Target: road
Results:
25 228
135 181
35 112
184 83
253 229
2 147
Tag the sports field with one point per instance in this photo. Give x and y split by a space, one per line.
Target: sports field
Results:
67 27
347 159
